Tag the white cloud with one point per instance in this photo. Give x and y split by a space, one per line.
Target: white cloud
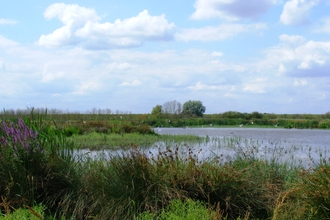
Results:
49 76
296 12
87 87
201 86
256 86
135 82
300 82
217 54
120 66
79 79
6 43
308 59
324 27
218 33
231 9
82 27
292 39
7 21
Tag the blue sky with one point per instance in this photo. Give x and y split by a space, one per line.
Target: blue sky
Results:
269 56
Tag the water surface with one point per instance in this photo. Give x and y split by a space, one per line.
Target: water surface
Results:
296 146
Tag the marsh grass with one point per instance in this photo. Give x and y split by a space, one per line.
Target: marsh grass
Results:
253 183
31 213
98 141
308 197
177 210
131 182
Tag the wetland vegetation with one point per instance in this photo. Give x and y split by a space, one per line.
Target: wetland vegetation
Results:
41 176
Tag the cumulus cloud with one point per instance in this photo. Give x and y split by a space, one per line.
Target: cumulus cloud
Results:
221 32
231 9
256 86
292 40
217 54
87 87
120 66
200 86
82 26
296 12
308 59
7 21
135 82
7 43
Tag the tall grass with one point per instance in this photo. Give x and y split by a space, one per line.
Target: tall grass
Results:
38 166
132 182
99 141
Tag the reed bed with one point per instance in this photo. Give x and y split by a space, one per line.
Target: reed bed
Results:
99 141
39 168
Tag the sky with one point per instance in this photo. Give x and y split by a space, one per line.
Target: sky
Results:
270 56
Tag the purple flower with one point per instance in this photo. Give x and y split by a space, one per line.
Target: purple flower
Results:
18 136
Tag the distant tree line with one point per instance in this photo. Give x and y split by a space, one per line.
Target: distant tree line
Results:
54 111
191 107
174 114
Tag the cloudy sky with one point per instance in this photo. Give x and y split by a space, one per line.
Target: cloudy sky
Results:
268 56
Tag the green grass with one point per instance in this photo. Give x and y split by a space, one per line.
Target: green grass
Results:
178 210
172 183
96 141
28 213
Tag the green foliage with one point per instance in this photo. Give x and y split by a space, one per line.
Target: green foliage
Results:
38 165
22 160
76 123
193 107
157 111
178 210
31 213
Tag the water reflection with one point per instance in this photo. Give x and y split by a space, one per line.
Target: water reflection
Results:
296 147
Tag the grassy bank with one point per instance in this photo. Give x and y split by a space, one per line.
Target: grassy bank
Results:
38 169
96 141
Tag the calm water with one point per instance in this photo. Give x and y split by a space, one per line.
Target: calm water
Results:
298 137
298 147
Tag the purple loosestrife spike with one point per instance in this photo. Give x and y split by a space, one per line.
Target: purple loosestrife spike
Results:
6 128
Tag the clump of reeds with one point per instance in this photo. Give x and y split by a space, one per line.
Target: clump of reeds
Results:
133 182
21 161
36 166
308 197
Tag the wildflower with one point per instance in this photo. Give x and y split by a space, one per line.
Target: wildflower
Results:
18 136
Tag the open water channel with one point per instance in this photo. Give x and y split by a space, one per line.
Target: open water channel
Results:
295 146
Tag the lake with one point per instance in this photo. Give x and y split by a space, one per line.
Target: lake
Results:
295 146
298 137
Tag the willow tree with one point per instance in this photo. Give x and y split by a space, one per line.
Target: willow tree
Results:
193 107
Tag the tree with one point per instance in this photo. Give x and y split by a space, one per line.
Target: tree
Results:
157 110
193 107
256 115
172 107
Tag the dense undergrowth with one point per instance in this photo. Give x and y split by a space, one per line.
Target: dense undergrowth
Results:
39 169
